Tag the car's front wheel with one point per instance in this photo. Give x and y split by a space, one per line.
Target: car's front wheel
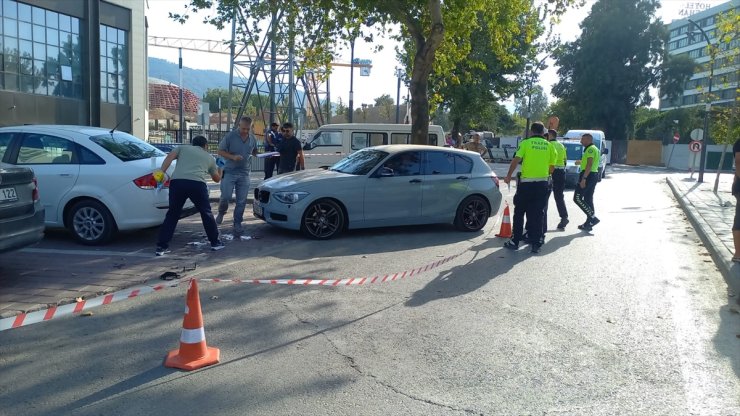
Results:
91 223
322 220
472 213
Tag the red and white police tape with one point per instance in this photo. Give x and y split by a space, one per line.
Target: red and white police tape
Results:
25 319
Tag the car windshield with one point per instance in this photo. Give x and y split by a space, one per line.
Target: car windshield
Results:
574 151
125 146
360 162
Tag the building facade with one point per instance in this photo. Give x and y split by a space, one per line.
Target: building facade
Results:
74 62
684 42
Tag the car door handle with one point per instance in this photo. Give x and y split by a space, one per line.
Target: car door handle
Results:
415 181
65 174
462 177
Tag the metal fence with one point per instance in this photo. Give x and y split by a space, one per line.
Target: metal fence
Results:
177 137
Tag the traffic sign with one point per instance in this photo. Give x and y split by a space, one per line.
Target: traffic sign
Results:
697 134
695 146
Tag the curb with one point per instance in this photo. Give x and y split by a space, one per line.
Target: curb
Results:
715 247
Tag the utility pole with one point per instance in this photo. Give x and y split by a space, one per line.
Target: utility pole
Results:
182 118
398 96
708 108
351 79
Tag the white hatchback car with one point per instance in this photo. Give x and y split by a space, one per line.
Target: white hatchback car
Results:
383 186
93 181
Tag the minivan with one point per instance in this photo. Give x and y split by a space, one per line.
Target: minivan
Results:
332 142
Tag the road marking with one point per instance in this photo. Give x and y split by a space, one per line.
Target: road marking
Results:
136 253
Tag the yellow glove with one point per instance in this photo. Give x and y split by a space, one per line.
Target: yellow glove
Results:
158 176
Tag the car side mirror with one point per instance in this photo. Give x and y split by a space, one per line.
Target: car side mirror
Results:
385 172
309 146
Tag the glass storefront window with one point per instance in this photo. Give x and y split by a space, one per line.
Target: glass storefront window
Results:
114 64
40 51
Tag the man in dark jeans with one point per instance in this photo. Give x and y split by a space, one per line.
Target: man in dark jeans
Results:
272 139
193 162
291 151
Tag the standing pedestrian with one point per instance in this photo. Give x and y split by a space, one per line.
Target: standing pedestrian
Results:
193 162
558 181
272 139
237 147
584 194
291 151
474 145
538 158
736 193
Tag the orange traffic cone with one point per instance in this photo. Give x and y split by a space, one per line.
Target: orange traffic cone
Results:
505 231
193 352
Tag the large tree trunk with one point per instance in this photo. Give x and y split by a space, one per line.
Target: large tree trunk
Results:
426 49
419 111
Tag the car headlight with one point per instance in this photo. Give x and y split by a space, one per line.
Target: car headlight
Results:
289 197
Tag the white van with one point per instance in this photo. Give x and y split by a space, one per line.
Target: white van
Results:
331 142
599 142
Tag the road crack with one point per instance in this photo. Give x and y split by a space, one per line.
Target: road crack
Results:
352 363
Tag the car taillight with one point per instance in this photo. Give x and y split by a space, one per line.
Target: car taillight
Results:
35 193
148 182
495 180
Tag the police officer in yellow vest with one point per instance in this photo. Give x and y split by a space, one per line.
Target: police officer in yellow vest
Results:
558 181
538 160
584 194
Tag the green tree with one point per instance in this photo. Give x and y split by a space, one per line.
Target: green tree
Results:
341 109
538 105
385 106
606 73
469 90
569 115
311 29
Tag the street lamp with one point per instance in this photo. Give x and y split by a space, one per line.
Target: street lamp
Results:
529 91
351 78
399 74
708 107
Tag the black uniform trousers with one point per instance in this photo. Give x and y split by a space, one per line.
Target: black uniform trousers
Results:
584 197
271 165
557 189
530 199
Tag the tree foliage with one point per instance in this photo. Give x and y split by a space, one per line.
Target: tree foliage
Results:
312 28
536 109
725 53
471 88
212 95
607 72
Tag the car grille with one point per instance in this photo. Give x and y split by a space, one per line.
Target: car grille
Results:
262 196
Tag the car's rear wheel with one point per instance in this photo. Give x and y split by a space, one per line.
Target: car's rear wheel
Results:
472 213
91 223
322 220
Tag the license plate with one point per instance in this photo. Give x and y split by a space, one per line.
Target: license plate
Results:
8 195
257 209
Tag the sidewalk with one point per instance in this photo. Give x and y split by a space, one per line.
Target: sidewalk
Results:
712 216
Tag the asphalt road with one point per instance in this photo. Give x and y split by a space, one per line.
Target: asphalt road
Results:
630 319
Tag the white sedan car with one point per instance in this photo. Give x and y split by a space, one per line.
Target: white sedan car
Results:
93 181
